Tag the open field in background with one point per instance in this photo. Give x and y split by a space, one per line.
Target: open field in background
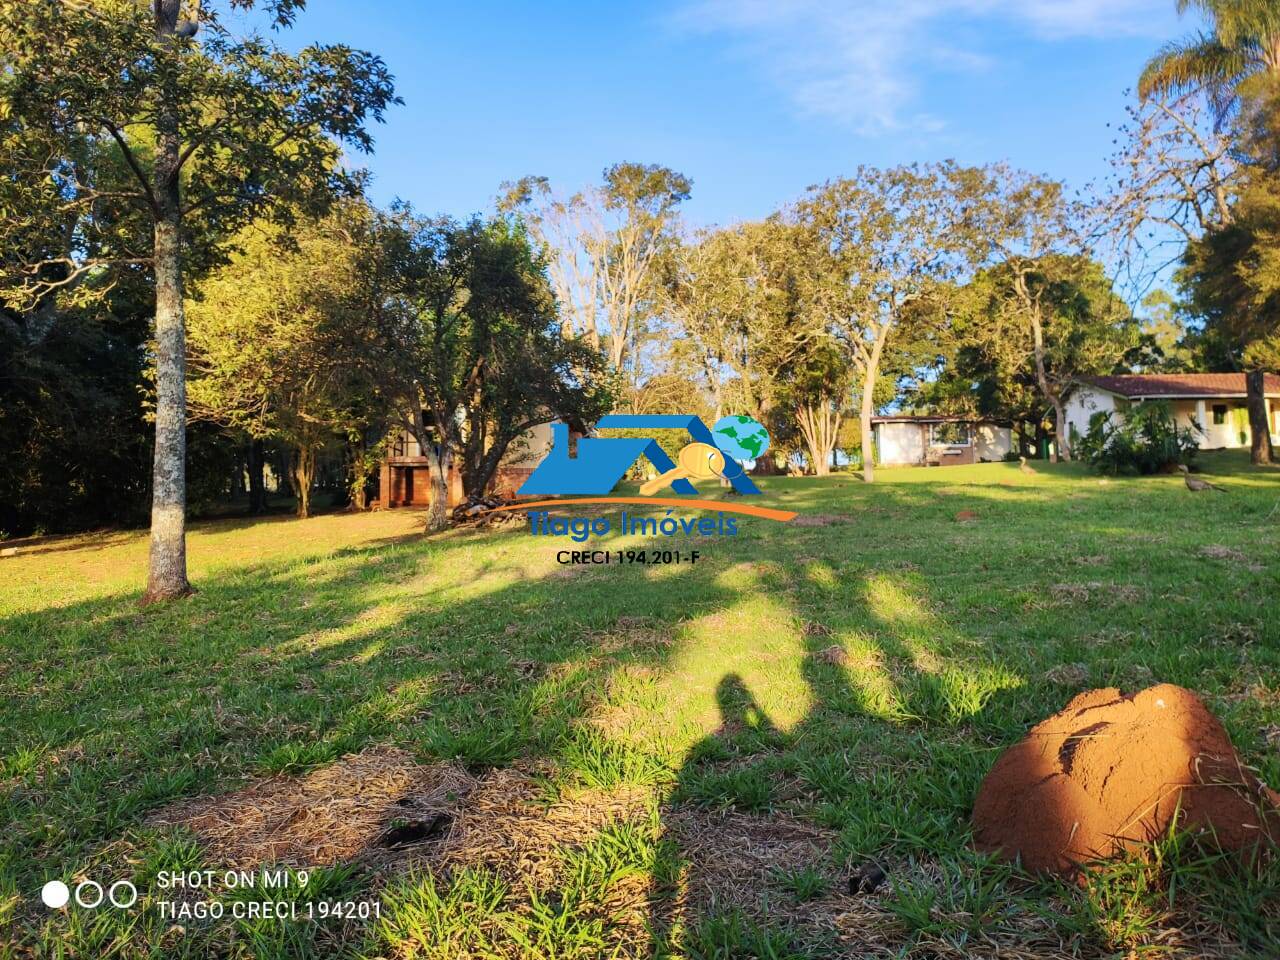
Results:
680 760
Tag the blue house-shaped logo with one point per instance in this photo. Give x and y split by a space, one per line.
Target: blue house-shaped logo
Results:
601 462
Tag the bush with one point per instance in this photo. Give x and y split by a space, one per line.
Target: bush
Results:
1146 440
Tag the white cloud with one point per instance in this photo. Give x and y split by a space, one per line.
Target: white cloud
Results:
861 61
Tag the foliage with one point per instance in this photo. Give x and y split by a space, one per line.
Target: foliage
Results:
211 131
737 298
1173 176
604 245
1083 328
1231 279
472 346
1235 62
85 85
1166 341
72 420
1238 47
813 394
1145 440
280 342
880 242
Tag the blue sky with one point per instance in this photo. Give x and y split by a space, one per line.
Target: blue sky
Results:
753 99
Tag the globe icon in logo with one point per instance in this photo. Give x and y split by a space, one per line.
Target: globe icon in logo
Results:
742 438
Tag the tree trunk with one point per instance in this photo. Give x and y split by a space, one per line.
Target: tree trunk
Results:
438 511
868 407
1060 431
257 477
362 467
167 577
820 429
1062 443
868 441
1259 429
302 476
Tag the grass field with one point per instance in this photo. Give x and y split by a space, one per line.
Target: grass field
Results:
634 760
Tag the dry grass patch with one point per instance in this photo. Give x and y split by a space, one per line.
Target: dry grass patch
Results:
1216 551
1094 591
354 809
1068 674
636 634
820 519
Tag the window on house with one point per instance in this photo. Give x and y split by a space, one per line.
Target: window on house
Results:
949 434
1219 413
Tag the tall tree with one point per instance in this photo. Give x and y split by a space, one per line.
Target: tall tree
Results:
471 327
1241 44
1033 233
1173 177
736 296
603 245
1231 278
280 341
813 393
1237 62
214 130
1031 328
882 240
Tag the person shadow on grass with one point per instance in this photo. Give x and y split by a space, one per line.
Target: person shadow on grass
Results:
695 863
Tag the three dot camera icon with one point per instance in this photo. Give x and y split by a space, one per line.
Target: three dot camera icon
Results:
89 894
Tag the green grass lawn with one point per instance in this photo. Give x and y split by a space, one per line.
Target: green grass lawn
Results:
700 754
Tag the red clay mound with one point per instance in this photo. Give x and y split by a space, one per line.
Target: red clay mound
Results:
1110 772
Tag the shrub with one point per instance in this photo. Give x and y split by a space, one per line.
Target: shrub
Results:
1145 440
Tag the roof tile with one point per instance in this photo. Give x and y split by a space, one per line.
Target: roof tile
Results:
1181 384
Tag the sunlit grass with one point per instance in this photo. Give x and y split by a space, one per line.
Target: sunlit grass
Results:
860 675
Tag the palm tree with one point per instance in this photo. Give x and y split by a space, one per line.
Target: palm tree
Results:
1242 42
1239 51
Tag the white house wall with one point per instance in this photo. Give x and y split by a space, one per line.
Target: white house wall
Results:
1086 401
528 449
900 443
993 443
1215 435
1082 405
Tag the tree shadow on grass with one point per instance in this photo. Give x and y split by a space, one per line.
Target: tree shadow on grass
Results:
282 667
457 652
909 708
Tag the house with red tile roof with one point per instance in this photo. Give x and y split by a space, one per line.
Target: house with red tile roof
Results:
1213 402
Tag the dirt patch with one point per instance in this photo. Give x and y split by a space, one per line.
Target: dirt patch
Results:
1068 674
353 809
834 654
382 804
508 826
1216 551
1095 560
1236 634
637 634
734 859
820 520
1111 772
966 516
1094 591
